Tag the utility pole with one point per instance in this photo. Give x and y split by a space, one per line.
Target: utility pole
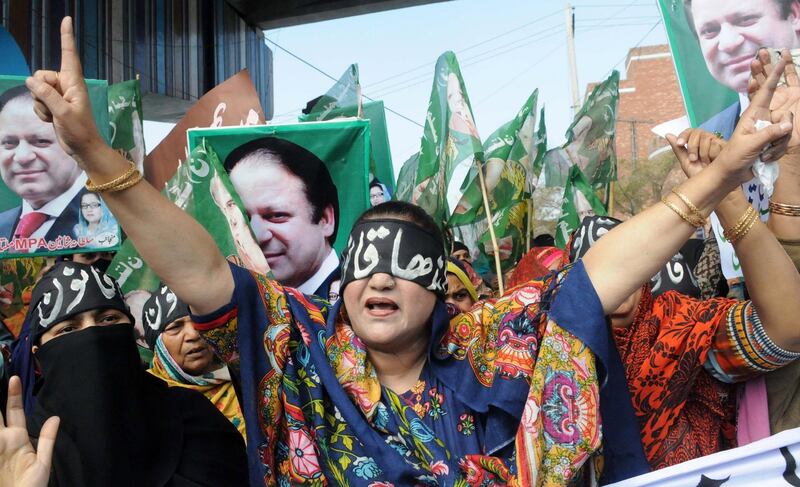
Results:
569 13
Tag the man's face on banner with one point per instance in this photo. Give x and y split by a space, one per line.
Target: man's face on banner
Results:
282 219
730 33
32 163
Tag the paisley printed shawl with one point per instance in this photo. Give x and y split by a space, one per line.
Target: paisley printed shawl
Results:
313 405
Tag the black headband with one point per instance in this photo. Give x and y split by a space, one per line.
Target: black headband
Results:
398 248
68 289
161 309
590 229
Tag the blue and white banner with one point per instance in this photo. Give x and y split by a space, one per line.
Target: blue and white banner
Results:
769 462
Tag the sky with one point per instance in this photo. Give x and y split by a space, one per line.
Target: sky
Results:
506 49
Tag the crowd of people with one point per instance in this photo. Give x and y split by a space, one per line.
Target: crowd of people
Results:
396 363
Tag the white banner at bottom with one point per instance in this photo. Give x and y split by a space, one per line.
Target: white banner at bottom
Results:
769 462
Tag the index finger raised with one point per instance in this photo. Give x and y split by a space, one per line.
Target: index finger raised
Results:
70 63
763 96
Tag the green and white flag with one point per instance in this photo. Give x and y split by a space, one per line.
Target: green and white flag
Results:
345 93
590 139
380 157
125 119
201 188
512 152
449 138
540 140
406 179
580 201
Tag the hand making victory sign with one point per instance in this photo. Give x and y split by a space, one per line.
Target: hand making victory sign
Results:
20 464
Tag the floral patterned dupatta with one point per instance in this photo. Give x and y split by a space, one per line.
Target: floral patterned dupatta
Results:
510 360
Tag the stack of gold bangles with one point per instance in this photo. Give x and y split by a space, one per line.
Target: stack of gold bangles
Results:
694 218
743 226
130 178
784 209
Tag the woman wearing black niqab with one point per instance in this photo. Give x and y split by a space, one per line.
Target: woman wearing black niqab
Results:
118 425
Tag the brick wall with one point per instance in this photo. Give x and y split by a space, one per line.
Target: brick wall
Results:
649 95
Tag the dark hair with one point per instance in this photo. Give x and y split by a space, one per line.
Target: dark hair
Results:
544 240
375 184
459 246
10 94
402 210
784 5
317 183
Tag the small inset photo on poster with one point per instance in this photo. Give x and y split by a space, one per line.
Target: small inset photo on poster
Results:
302 186
45 208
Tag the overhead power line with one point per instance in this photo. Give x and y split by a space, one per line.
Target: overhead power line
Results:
336 80
463 50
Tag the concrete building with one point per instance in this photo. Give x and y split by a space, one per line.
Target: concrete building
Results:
179 48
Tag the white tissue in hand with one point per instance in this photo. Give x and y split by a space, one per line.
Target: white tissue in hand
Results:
766 172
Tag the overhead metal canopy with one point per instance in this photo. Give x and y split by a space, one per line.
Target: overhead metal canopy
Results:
284 13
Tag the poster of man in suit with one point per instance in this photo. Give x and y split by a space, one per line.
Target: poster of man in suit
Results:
46 208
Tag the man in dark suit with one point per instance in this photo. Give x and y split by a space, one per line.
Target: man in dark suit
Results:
293 206
63 224
34 166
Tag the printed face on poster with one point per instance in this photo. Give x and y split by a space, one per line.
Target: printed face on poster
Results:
714 41
301 185
44 207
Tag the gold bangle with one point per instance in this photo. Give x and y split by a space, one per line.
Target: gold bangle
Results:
784 209
742 227
99 188
693 209
126 184
745 230
732 232
690 219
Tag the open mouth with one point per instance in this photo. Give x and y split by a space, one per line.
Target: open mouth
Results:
381 306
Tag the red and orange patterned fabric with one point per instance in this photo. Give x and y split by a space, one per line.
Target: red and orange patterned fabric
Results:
682 357
528 268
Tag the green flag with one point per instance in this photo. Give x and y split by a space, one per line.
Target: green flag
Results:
512 153
201 188
449 138
406 179
125 120
380 156
345 93
590 139
507 154
540 140
580 201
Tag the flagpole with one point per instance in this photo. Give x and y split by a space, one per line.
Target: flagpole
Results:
360 112
529 231
487 209
610 205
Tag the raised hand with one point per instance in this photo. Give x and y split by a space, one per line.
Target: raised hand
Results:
20 464
61 97
787 94
748 143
